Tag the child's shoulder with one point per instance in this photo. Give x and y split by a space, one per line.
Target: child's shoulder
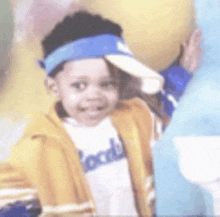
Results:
134 105
41 131
135 110
36 123
39 126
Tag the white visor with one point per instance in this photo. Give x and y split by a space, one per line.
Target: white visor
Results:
152 82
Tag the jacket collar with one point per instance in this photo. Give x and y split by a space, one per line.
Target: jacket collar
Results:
50 124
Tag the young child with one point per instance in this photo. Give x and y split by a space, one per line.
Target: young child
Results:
91 153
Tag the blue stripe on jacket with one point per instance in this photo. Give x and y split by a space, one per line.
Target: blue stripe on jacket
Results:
176 79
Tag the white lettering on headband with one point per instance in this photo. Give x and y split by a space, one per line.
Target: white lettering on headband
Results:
94 46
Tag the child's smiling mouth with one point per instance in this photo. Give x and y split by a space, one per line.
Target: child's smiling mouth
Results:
93 110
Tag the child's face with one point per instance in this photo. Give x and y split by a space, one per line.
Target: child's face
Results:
88 90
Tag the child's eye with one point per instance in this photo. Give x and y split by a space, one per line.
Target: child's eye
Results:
108 84
79 85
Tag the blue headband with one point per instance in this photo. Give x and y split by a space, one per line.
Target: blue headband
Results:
94 46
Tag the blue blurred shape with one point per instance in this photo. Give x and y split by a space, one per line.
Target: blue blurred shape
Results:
21 209
198 114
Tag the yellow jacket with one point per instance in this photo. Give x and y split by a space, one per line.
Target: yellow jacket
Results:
45 159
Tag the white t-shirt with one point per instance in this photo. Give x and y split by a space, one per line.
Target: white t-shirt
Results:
103 159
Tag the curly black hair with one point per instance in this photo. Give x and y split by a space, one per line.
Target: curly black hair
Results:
78 25
81 24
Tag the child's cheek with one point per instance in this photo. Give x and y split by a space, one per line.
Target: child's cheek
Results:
73 97
115 97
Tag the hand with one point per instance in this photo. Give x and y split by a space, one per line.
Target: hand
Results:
191 52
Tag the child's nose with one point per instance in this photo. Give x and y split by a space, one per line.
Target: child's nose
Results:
94 92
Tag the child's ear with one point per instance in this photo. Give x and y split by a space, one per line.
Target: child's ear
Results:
51 85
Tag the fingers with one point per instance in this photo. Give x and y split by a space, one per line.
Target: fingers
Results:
195 38
190 51
191 46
